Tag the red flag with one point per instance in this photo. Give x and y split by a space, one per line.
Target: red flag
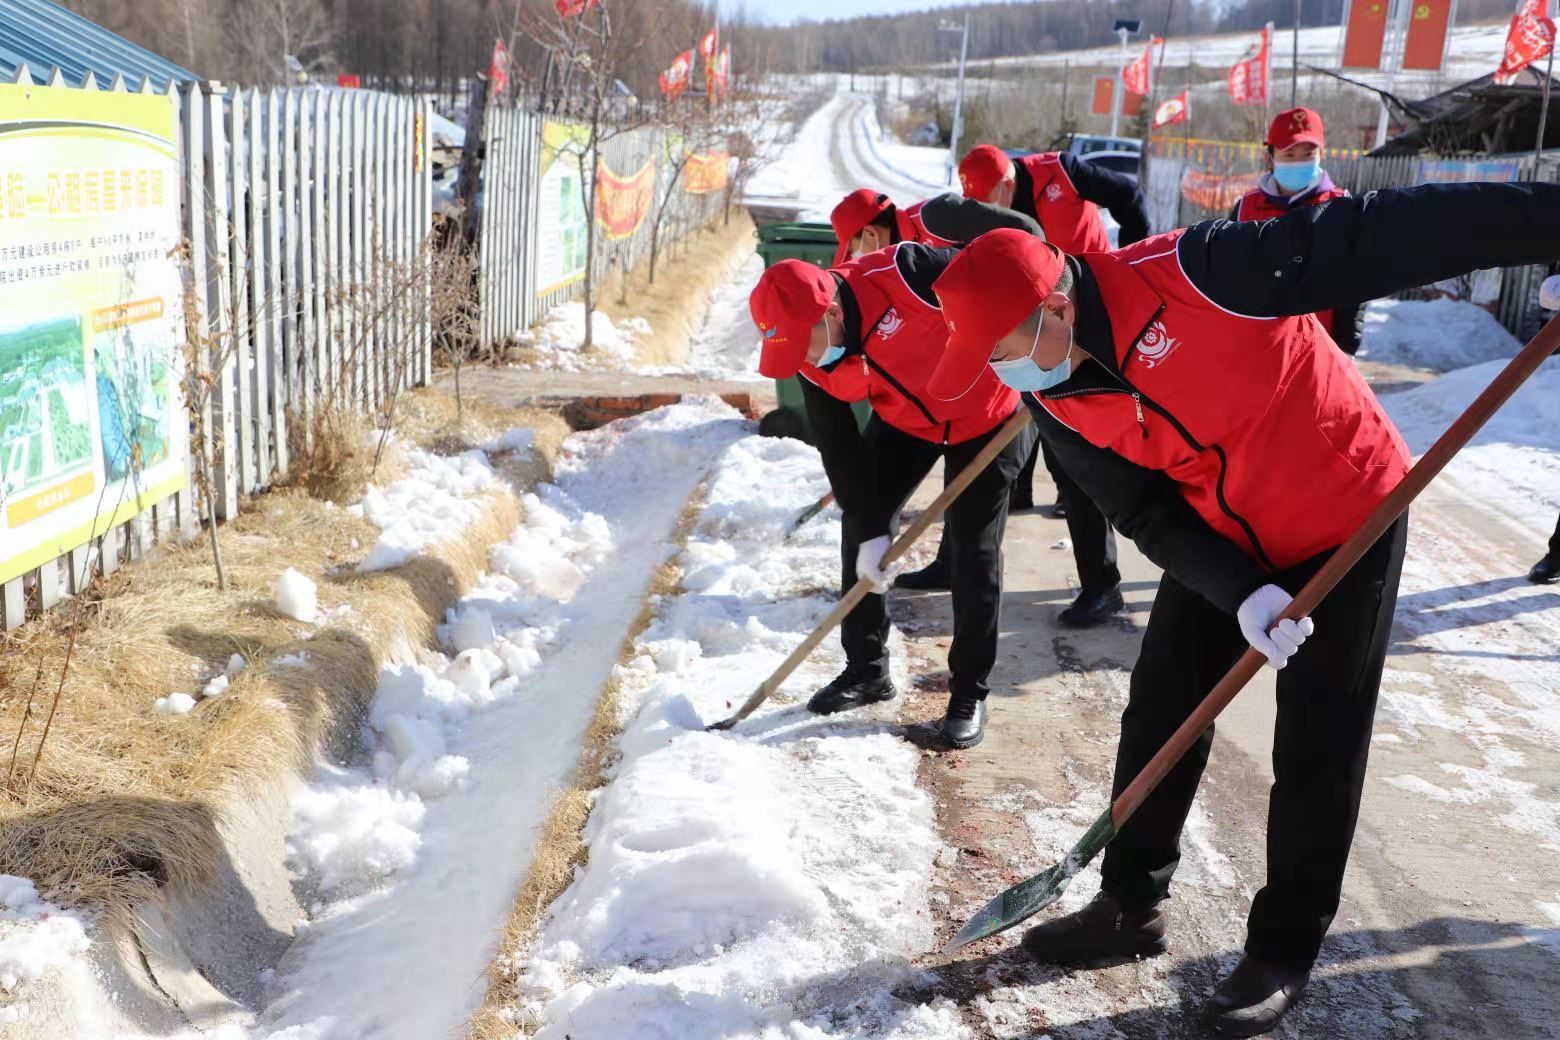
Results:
1532 35
708 43
1424 44
1137 78
723 71
1365 34
1171 110
571 8
498 69
1249 77
675 79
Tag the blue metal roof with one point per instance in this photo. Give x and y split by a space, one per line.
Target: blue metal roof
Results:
43 35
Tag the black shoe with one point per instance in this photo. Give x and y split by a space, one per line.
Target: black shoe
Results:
1092 608
935 575
851 689
1545 571
1018 503
1254 997
964 725
1058 512
1101 933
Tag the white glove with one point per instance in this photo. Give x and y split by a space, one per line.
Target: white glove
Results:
1274 641
1549 293
869 563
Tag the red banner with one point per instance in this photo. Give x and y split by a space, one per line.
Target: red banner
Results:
1172 110
350 80
1137 78
1425 44
1531 36
1215 191
1365 34
1104 87
675 79
1131 104
622 203
498 70
706 173
1249 77
723 71
571 8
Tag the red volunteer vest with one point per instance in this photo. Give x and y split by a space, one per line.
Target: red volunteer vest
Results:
906 340
1256 205
1070 222
1270 432
912 230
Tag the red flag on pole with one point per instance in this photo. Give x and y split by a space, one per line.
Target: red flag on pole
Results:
571 8
1171 110
675 79
1249 77
1365 34
1137 78
498 69
723 71
708 43
1424 46
1532 35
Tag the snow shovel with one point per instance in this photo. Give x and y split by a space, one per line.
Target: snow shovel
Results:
807 514
858 592
1036 893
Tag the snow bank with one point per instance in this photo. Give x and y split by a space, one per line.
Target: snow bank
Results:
1436 334
36 938
795 916
558 337
431 502
296 596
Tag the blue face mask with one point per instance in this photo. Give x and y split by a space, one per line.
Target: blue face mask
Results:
831 355
1296 176
1025 376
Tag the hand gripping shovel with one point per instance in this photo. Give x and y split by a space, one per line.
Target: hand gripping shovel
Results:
1040 891
1005 434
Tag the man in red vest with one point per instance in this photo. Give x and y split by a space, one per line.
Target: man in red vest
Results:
1295 177
871 329
1187 385
1063 193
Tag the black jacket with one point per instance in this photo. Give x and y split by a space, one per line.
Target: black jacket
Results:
963 220
1348 319
1116 192
1306 261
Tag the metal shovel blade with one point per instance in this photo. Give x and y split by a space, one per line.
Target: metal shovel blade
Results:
1034 894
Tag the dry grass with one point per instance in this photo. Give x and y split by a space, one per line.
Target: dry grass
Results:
675 305
559 848
126 801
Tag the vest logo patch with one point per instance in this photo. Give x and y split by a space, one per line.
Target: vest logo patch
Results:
889 324
1053 191
1156 345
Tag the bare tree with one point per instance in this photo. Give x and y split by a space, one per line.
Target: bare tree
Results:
268 32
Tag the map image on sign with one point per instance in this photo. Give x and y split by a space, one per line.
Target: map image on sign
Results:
45 422
134 405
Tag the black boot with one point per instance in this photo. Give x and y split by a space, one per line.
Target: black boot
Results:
964 725
1017 501
853 688
1254 997
1101 933
1059 511
935 575
1092 608
1545 571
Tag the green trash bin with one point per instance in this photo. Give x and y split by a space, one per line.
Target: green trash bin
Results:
814 243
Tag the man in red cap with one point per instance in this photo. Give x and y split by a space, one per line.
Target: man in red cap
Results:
871 329
1064 193
1185 383
1295 177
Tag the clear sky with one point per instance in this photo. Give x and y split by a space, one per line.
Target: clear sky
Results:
785 11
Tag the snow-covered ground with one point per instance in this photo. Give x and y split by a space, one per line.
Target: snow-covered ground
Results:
1439 335
557 339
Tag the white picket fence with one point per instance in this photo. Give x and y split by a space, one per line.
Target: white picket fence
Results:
306 212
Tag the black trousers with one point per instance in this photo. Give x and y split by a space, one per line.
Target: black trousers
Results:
1326 705
1554 540
974 525
1093 541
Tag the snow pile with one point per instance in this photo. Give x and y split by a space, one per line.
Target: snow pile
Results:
692 919
1436 334
349 838
296 596
432 501
36 937
558 338
519 438
174 704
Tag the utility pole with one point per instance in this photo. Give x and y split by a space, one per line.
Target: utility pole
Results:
1394 60
1543 112
1123 28
958 99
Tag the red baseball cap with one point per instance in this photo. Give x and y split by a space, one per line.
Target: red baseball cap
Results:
988 289
1296 126
787 302
858 209
983 169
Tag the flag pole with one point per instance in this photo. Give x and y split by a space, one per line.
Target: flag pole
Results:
1543 110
